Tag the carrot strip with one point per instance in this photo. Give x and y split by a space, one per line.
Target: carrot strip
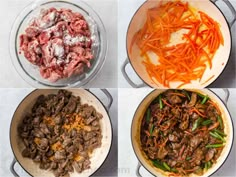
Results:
187 60
215 125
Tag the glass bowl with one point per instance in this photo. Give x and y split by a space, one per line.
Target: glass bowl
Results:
29 72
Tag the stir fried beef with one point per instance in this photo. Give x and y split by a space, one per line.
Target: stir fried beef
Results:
60 133
182 132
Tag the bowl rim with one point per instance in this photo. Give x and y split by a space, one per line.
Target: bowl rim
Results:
231 123
94 70
156 86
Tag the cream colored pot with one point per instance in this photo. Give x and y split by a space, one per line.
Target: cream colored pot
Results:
220 59
136 125
98 156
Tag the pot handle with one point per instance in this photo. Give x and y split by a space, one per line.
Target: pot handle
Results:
12 168
231 8
138 170
109 97
225 100
127 77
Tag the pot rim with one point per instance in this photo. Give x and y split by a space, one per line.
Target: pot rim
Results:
129 58
107 112
230 118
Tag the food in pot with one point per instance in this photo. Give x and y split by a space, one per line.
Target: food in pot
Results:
59 42
178 43
60 133
182 132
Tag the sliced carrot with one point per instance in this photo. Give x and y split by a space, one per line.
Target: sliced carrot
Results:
187 60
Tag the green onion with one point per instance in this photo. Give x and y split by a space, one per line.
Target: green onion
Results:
148 116
160 102
186 93
220 121
214 145
220 132
196 124
201 95
188 158
158 164
204 99
206 122
166 166
151 129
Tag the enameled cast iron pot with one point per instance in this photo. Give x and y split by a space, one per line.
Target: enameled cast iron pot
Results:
136 126
99 155
220 59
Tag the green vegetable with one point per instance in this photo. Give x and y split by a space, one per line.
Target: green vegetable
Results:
217 136
214 145
148 115
160 102
220 132
201 95
186 93
151 129
220 137
206 122
220 121
158 164
208 165
205 99
188 158
166 166
174 170
196 124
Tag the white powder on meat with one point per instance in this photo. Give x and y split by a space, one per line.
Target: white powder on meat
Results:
69 40
58 50
48 22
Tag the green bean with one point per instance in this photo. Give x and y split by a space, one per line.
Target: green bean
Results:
174 170
213 135
160 102
188 158
220 121
204 99
166 166
220 137
214 145
220 132
148 116
196 124
206 122
151 129
158 164
201 95
186 93
207 165
217 136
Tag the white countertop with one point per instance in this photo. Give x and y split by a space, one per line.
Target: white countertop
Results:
107 10
226 79
129 100
12 97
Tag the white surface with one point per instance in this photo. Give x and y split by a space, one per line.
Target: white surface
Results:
226 79
12 97
127 160
106 9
